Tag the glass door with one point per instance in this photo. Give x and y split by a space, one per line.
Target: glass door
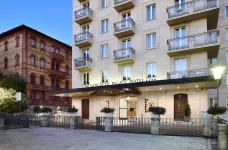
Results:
126 20
181 68
126 46
181 39
180 7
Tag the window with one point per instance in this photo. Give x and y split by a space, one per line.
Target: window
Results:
226 11
126 73
57 83
42 95
151 41
227 56
5 63
57 67
67 55
33 42
53 82
212 61
41 63
85 78
150 12
104 76
53 65
104 50
226 79
33 95
151 70
52 49
67 84
42 45
41 80
32 79
103 4
17 41
181 64
33 60
67 69
17 60
227 34
212 102
57 51
104 26
6 45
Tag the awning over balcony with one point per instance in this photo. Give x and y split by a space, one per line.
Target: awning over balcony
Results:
138 86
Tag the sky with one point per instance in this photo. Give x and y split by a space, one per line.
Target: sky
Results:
51 17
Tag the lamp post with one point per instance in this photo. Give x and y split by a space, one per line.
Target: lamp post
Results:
217 72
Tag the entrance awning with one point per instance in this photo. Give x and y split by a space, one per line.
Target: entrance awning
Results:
205 82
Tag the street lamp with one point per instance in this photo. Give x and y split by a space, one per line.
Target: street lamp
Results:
217 72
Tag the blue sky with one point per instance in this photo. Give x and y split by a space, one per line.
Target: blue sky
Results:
52 17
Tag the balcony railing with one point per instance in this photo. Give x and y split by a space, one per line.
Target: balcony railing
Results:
124 54
84 12
122 25
189 73
190 7
57 56
82 62
121 5
193 41
38 87
82 37
53 72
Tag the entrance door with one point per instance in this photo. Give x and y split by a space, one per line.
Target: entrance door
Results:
131 109
85 109
180 102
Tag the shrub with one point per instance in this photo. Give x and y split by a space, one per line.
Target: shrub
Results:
107 110
157 110
72 110
187 111
46 110
216 110
36 109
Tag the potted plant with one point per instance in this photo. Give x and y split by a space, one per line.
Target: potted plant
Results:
215 111
72 111
157 111
36 109
187 113
108 111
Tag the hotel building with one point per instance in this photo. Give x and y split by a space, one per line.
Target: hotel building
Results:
43 61
133 54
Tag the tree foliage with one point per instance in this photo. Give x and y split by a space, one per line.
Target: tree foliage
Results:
72 110
157 110
216 110
187 111
13 81
8 101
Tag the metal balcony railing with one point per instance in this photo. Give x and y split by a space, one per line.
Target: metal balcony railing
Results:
122 25
124 53
189 73
83 37
82 62
194 41
83 13
190 7
117 2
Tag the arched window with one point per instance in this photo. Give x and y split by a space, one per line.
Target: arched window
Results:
6 45
52 49
42 80
17 60
33 60
57 51
17 41
32 79
33 42
41 63
67 70
67 84
6 62
41 45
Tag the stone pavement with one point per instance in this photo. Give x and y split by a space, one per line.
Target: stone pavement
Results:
36 138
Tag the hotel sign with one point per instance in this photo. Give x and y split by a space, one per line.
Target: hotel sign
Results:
120 82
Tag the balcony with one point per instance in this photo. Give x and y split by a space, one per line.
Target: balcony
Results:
83 39
56 73
83 16
124 55
120 5
83 63
124 28
38 87
57 57
189 73
207 41
193 10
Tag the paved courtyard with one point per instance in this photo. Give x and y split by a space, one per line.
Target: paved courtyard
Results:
36 138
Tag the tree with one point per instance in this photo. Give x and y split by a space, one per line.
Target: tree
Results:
187 111
8 101
14 81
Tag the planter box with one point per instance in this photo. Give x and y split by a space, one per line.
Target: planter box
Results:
108 121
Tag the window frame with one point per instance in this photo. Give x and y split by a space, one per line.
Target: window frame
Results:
42 43
17 41
104 76
102 46
106 22
151 12
226 11
6 63
227 56
17 60
33 95
43 63
210 61
34 61
85 75
106 4
152 69
227 79
151 42
127 67
31 42
6 46
226 34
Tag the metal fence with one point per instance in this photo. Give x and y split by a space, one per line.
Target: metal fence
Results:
15 121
